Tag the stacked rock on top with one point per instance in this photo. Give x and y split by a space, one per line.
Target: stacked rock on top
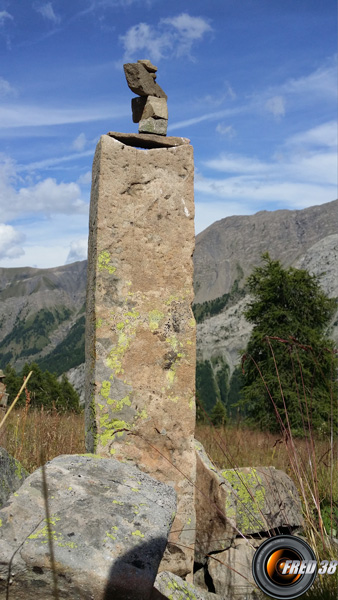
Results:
150 108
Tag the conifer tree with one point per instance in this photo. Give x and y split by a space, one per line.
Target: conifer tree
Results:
288 304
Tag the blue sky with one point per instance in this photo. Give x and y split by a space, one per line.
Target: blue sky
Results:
252 83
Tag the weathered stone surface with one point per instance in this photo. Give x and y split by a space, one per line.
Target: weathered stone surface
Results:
109 523
148 65
141 82
150 125
148 141
140 336
171 587
137 107
267 499
231 570
155 107
215 501
12 475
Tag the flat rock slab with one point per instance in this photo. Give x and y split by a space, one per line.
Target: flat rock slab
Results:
148 140
109 526
12 475
150 125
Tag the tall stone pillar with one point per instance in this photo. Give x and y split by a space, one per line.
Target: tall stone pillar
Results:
140 333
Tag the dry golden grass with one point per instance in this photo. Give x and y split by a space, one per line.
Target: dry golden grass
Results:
239 446
29 433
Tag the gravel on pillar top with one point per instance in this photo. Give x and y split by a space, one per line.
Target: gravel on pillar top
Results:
140 330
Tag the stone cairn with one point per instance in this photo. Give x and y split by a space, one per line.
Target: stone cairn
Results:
150 108
140 329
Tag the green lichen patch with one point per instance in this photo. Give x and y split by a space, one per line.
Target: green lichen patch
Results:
142 414
117 405
110 535
250 499
138 533
19 470
103 262
105 389
111 428
43 533
155 317
173 398
192 323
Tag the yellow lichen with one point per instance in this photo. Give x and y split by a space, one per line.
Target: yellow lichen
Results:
138 533
105 389
103 262
155 317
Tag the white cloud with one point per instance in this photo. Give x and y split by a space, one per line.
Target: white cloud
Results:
234 163
47 11
145 37
48 241
85 179
321 82
276 106
50 197
80 142
300 175
5 88
4 15
10 242
323 135
45 197
78 251
53 161
226 130
188 29
171 37
228 112
21 115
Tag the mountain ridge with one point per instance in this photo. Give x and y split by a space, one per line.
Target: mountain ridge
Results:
229 248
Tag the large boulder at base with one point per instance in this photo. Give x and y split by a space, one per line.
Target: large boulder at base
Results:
12 475
215 508
266 499
171 587
109 525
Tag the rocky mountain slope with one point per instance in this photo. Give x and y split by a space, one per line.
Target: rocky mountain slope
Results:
228 250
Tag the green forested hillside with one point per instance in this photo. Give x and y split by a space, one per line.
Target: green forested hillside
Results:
69 353
42 316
